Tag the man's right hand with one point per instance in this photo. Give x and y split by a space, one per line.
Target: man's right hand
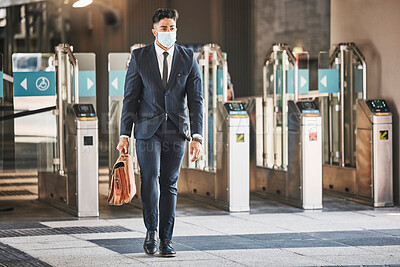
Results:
123 145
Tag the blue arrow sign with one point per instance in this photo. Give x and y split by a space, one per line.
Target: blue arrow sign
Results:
87 83
302 81
328 81
304 85
1 84
116 82
40 83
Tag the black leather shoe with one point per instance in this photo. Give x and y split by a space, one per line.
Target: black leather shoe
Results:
166 249
150 243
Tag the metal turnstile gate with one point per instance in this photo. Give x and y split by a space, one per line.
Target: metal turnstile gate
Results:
221 176
286 142
68 166
351 165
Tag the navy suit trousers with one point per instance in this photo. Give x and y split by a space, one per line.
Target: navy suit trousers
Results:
160 158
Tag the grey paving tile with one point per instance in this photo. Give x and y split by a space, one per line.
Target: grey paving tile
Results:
200 263
180 256
393 232
359 238
268 257
328 251
359 260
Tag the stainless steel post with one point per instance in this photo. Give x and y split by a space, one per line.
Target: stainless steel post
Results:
350 91
285 63
364 64
275 47
214 108
74 62
64 55
342 160
265 129
60 119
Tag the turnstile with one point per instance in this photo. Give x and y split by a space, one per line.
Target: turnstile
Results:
228 187
68 166
286 141
221 176
350 166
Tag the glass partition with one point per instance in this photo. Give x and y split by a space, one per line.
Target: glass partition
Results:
343 77
214 74
34 89
280 85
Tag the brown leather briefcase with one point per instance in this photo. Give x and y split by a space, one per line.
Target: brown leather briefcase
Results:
122 186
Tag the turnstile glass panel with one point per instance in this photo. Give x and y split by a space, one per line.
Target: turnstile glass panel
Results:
213 71
34 88
87 78
279 81
351 82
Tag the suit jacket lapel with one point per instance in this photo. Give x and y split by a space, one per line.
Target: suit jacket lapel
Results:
153 63
176 61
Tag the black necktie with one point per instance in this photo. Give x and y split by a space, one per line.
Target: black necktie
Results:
165 70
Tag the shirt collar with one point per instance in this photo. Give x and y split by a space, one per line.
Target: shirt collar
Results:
160 51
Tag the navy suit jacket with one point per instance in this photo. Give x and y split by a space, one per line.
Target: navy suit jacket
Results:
147 103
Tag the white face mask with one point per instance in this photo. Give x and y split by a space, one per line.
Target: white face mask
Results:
166 39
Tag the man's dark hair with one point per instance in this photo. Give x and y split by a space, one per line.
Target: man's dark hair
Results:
163 13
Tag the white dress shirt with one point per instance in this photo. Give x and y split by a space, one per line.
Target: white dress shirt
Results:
160 59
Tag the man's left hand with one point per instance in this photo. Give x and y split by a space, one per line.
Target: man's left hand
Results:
195 149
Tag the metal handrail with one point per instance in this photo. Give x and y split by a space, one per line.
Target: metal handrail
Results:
66 49
74 62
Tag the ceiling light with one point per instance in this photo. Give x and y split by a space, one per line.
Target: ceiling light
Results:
82 3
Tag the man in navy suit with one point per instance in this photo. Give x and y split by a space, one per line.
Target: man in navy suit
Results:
162 81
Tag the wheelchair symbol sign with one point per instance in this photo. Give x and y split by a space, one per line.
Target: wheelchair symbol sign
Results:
42 83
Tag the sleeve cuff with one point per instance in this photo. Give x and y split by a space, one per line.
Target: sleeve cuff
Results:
122 135
196 135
